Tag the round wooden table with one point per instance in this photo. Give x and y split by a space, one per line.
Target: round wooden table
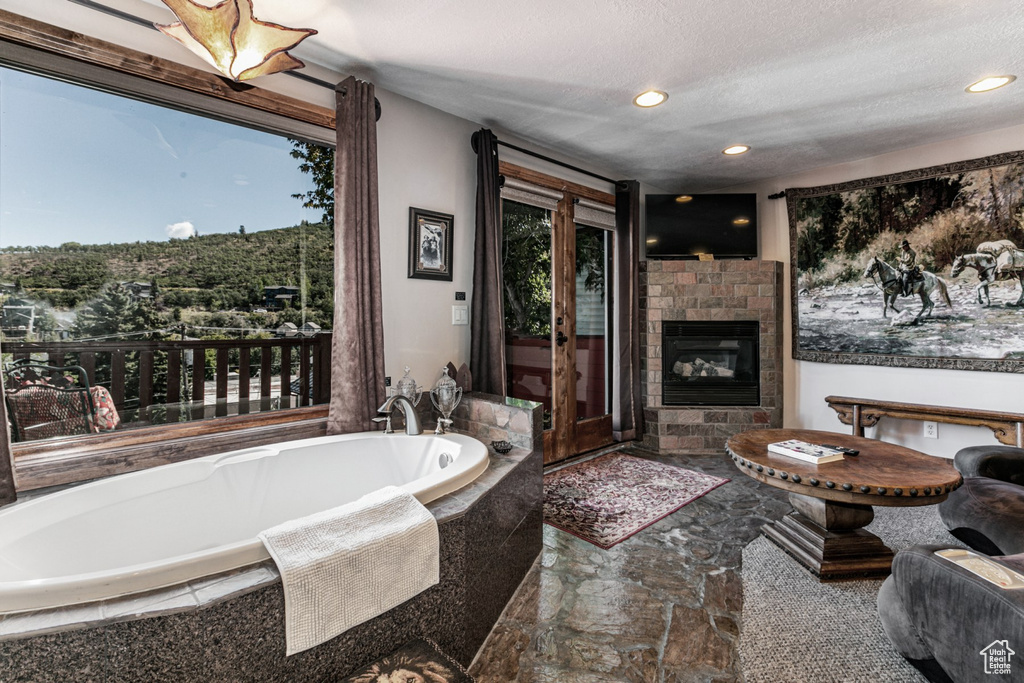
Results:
834 500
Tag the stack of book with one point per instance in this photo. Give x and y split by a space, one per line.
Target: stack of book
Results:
808 452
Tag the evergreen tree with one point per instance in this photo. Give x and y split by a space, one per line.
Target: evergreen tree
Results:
114 312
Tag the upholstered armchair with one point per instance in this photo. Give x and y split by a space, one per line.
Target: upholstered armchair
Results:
940 616
987 512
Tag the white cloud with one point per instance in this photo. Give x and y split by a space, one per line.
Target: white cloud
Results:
181 231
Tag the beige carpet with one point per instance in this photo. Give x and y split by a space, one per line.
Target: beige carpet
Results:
798 630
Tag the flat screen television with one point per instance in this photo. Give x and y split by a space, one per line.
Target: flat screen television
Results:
683 226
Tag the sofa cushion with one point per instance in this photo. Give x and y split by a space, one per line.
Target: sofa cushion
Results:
986 514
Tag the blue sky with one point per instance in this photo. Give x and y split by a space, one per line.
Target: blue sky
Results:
79 165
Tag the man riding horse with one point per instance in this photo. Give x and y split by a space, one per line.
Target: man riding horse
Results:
909 270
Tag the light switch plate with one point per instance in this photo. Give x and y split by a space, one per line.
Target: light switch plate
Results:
460 315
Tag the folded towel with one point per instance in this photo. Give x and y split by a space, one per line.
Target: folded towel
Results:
343 566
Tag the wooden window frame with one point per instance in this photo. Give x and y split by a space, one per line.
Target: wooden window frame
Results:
52 51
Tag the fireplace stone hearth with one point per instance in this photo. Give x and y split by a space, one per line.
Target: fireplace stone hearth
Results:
708 291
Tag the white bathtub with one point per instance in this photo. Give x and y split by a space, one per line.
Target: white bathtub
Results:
167 525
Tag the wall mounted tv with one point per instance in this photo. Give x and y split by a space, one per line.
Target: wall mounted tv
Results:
683 226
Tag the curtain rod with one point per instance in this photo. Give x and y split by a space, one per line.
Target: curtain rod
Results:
556 161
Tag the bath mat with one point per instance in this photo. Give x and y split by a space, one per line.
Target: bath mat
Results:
608 499
417 660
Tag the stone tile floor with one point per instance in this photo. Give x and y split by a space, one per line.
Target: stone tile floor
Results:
660 607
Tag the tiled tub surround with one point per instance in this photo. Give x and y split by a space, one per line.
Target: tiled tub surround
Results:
231 627
727 290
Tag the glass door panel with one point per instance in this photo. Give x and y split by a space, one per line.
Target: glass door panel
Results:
593 315
526 263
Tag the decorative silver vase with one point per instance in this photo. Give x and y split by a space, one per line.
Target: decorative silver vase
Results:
445 396
407 387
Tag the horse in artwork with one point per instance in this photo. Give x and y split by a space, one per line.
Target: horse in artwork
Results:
990 270
890 285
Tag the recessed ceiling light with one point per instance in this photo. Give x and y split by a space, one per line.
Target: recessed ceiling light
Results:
741 221
652 240
990 83
736 149
650 98
683 198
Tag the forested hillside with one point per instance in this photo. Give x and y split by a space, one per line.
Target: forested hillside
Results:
208 273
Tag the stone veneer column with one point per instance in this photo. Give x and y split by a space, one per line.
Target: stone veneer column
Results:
709 290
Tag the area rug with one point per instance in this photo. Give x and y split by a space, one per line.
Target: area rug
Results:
608 499
794 628
419 660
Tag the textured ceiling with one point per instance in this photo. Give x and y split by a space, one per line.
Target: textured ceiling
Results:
806 83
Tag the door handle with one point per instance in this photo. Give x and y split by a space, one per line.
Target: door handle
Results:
560 338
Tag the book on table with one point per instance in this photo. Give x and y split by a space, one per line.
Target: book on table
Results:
808 452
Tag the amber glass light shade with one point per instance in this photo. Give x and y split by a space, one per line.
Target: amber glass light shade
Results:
232 40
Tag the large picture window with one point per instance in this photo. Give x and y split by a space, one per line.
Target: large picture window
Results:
177 267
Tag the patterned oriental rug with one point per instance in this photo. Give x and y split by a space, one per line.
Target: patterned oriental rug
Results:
797 629
608 499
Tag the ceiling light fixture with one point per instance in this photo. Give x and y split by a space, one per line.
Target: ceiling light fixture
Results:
683 198
741 221
650 98
990 83
736 149
232 40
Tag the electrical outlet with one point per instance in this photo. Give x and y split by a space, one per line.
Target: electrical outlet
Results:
931 430
387 381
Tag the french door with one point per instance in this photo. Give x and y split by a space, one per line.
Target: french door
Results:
557 255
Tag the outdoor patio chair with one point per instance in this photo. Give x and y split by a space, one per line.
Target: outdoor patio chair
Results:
44 401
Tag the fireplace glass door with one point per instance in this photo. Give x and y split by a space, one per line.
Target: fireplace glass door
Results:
710 363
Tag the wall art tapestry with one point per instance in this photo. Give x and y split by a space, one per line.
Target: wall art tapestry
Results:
918 269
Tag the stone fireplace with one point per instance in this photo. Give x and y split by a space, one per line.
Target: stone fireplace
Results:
710 349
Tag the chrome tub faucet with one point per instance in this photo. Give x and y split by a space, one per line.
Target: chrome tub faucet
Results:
412 420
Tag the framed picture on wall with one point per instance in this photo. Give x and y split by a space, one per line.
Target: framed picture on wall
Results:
430 244
917 269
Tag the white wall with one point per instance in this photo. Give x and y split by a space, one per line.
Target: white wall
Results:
807 384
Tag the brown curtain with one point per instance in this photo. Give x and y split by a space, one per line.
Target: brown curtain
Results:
357 351
627 409
487 346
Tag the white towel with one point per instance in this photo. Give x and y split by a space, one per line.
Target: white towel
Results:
343 566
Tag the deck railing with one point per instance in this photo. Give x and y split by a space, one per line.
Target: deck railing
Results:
173 381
